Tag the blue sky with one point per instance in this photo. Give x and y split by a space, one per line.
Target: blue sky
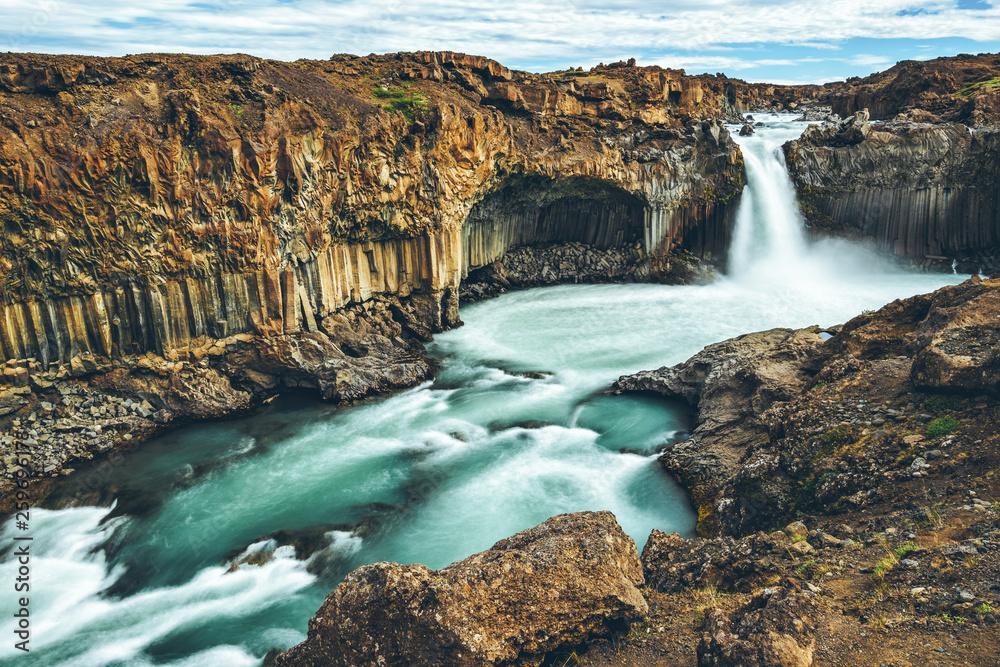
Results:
783 41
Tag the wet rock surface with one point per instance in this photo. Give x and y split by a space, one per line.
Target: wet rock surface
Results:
567 580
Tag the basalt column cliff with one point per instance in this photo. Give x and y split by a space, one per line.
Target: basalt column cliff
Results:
194 232
915 165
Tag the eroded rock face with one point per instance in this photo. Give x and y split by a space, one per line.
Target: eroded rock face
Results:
730 384
788 423
154 202
952 88
573 577
921 190
773 629
964 353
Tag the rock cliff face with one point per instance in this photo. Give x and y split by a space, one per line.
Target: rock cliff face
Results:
929 192
789 423
156 202
959 89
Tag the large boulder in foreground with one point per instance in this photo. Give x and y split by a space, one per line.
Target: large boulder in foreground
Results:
560 583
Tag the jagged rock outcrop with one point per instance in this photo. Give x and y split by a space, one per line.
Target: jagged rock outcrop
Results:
566 580
730 384
952 337
925 191
787 422
960 89
552 264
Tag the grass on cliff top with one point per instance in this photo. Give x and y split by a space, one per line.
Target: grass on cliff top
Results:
401 99
970 88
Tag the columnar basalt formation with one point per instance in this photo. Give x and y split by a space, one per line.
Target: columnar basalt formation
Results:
157 202
929 192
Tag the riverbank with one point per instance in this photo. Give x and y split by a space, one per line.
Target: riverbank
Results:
848 496
57 421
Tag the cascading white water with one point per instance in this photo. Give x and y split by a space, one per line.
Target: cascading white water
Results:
431 474
768 241
770 248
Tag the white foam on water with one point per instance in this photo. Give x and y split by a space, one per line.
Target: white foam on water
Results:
69 572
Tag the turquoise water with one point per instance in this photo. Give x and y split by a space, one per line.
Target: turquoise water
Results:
514 429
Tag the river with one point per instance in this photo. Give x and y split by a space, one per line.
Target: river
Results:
514 429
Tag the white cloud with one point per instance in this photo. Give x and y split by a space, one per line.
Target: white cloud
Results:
868 60
516 32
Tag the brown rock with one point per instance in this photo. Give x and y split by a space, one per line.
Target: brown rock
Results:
772 630
560 583
730 383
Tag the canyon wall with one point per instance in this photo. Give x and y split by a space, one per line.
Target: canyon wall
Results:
156 202
929 192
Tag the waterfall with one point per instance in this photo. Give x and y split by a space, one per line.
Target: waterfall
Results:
769 241
770 249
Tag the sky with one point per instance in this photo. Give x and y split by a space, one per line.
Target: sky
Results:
781 41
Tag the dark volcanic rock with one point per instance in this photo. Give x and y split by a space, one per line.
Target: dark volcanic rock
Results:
672 564
560 583
918 189
789 424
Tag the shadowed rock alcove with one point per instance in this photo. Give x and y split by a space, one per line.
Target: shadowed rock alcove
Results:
529 210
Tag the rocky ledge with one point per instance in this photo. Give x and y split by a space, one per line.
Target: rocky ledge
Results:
537 266
792 421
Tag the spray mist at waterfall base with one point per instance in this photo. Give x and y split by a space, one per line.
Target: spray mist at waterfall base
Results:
514 429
